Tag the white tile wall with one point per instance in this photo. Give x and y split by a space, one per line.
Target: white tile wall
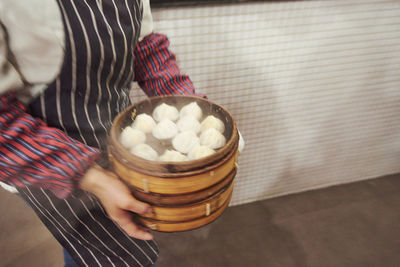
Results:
314 87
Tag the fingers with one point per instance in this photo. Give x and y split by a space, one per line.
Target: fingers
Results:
117 200
134 205
124 220
123 217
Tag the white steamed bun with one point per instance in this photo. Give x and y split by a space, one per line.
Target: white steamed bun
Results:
172 155
200 152
188 123
165 111
130 137
212 139
212 122
144 151
144 123
191 109
165 129
185 141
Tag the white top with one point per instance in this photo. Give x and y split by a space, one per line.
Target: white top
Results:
32 43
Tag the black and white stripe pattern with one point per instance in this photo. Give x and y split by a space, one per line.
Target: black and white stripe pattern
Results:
93 85
91 89
82 227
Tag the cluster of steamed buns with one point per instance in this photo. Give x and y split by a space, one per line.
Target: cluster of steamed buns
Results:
184 135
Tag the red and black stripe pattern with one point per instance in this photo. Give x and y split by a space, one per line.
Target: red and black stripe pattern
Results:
156 70
33 154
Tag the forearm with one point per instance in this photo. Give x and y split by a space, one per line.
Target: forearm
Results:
32 154
156 69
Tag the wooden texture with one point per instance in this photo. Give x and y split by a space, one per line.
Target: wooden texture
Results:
165 226
191 182
191 211
168 200
184 195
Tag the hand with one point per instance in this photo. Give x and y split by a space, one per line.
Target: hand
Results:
116 199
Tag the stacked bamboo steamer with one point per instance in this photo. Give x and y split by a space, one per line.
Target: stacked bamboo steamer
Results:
184 195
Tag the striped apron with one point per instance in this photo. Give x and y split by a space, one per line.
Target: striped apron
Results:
91 89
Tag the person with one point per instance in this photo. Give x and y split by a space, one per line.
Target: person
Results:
66 72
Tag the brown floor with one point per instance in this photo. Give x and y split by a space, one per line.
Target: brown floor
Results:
24 241
350 225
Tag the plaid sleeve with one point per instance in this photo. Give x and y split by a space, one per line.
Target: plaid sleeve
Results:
156 70
33 154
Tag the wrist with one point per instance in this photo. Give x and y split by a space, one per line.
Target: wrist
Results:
92 180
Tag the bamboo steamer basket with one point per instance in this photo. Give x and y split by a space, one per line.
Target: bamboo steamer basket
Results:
184 195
